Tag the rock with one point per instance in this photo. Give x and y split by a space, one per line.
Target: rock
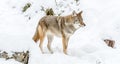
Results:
21 57
4 55
109 42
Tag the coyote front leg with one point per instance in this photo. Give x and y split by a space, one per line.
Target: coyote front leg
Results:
50 39
65 43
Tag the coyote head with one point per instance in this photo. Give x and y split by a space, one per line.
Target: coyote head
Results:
78 20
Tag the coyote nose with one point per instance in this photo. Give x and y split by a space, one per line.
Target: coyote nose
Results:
84 24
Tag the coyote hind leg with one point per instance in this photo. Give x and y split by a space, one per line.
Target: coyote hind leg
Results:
41 43
50 39
41 36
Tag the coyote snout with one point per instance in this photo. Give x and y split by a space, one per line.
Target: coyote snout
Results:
83 24
61 26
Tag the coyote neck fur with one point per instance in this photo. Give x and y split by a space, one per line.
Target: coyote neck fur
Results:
66 25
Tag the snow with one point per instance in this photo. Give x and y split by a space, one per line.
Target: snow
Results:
86 46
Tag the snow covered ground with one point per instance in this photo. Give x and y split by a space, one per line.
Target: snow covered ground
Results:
86 46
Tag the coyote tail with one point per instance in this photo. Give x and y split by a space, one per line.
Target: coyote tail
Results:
36 36
40 31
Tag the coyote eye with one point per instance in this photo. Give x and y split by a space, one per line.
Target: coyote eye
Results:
76 21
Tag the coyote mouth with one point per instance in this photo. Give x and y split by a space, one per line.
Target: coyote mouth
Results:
82 25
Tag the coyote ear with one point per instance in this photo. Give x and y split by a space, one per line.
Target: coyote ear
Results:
74 13
81 12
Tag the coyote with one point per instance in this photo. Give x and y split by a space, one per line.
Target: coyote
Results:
61 26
